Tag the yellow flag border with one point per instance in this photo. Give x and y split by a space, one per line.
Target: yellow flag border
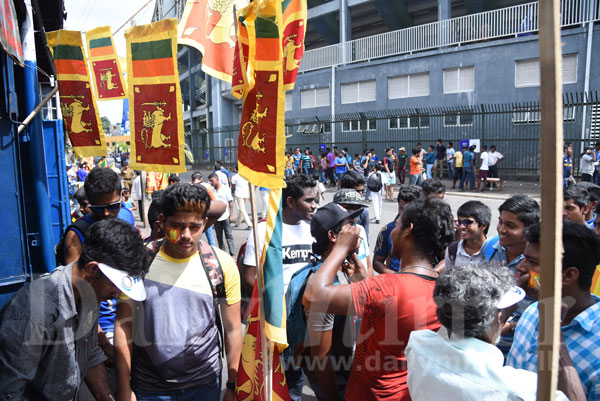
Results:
103 32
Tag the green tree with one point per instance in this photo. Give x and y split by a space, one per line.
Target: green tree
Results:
105 125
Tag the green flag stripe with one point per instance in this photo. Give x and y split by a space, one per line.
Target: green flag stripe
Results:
266 28
151 50
285 4
65 52
100 42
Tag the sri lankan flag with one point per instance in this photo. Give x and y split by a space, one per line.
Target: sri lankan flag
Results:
261 143
155 110
108 77
208 25
78 106
294 30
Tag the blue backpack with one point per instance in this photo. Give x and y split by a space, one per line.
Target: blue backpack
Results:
296 319
488 248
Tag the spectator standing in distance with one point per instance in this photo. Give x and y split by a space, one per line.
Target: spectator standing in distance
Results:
402 164
473 224
81 172
462 363
494 158
348 157
458 168
390 306
429 161
49 328
297 160
126 200
331 167
306 162
440 157
416 169
384 260
341 166
376 196
357 165
127 176
483 169
567 166
289 164
390 171
580 323
323 164
468 167
355 181
241 192
587 164
450 160
223 224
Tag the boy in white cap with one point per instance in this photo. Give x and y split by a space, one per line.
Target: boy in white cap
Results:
49 329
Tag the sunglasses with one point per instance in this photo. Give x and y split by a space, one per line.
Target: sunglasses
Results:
111 207
464 222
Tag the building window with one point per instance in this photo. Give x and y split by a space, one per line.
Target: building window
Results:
412 85
288 101
454 119
461 79
526 115
527 72
318 97
358 92
359 125
405 122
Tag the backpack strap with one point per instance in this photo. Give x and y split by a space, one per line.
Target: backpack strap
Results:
490 249
214 272
452 250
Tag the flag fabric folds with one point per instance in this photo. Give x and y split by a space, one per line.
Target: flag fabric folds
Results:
155 112
261 142
250 383
294 30
208 25
104 63
78 106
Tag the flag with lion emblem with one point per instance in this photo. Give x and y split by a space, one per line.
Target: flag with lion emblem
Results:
155 112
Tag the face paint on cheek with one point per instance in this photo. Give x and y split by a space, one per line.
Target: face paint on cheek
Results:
534 280
173 234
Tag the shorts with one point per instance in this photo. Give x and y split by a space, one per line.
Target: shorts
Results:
338 176
483 174
391 178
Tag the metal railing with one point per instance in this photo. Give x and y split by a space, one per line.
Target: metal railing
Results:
511 21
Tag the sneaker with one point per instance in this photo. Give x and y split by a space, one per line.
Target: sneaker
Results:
377 221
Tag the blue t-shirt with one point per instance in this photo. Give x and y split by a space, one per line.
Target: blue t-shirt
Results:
468 157
305 161
81 174
567 166
297 160
383 246
340 169
349 159
430 158
357 165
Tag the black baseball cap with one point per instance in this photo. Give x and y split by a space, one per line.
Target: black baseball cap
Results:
349 196
328 217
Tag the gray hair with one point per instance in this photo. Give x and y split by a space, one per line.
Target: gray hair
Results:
466 297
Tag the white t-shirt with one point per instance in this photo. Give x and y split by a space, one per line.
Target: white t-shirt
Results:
493 158
485 159
363 251
296 246
136 189
224 194
222 178
241 186
450 155
587 165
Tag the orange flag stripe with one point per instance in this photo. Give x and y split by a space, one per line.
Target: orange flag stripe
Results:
152 68
101 51
268 49
74 67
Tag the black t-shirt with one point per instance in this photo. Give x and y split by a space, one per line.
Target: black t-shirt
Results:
390 163
440 152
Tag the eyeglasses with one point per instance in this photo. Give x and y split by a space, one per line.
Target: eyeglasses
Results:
464 222
111 207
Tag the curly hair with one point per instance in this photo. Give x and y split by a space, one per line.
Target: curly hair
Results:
433 186
185 198
101 181
295 186
116 243
352 179
467 297
409 193
433 226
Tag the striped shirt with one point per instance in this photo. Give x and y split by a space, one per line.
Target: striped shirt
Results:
582 337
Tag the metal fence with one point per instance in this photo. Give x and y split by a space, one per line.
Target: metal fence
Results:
514 129
510 21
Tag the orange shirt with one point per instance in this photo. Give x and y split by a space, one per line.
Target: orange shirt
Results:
415 166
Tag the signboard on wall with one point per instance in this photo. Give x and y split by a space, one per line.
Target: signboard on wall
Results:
470 142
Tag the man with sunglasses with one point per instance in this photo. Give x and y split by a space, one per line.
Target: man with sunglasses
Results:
48 330
472 225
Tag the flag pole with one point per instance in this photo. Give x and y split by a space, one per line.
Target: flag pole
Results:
552 199
266 356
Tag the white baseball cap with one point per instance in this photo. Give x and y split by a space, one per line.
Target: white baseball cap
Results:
514 295
133 287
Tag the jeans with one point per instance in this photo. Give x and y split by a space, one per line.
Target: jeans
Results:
289 171
467 173
295 380
323 179
306 170
450 169
205 392
415 179
210 236
429 167
221 227
401 174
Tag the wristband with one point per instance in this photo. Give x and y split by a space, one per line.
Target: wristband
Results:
230 386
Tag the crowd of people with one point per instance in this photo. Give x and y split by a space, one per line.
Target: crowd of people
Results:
441 306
